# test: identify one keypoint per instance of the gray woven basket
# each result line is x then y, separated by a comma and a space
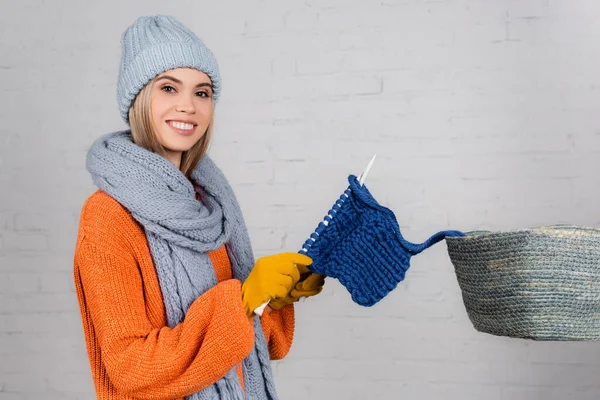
541, 283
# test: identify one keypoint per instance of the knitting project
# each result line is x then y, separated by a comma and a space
360, 244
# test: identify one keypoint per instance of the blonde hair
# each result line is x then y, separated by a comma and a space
144, 132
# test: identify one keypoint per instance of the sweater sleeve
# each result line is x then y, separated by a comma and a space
278, 326
159, 363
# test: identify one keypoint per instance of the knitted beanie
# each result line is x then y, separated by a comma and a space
360, 244
153, 45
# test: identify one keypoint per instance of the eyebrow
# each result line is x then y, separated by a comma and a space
169, 77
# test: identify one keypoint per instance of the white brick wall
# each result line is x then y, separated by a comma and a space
484, 115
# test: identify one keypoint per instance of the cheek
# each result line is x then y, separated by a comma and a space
159, 106
206, 110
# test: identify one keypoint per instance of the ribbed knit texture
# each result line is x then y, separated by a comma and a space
154, 44
181, 231
132, 352
360, 244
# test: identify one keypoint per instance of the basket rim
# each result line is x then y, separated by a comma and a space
534, 229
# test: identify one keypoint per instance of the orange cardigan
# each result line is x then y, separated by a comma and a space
133, 354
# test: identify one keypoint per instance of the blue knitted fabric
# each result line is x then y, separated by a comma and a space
360, 244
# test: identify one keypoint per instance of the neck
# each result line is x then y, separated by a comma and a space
174, 157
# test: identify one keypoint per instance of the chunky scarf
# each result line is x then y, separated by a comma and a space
181, 231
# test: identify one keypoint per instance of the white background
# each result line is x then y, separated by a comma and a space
483, 114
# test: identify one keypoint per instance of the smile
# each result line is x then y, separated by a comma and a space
182, 128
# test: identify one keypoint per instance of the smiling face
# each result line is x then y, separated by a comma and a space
181, 109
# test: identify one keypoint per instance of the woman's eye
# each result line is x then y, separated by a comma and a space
168, 89
202, 94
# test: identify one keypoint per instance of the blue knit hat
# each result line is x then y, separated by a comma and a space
153, 45
360, 244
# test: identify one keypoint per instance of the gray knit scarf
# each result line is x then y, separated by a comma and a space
180, 232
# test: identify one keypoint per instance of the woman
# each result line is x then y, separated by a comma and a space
164, 269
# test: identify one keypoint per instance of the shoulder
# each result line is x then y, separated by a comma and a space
101, 211
105, 223
100, 204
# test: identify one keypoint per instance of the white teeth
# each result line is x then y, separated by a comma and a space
181, 125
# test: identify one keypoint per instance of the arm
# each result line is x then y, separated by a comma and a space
279, 323
159, 363
278, 326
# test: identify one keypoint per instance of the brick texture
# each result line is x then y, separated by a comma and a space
483, 114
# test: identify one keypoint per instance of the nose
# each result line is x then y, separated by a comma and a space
186, 105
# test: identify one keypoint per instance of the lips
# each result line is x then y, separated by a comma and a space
184, 128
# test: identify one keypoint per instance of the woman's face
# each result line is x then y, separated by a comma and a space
182, 108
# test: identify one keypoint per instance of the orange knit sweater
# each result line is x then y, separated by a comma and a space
133, 354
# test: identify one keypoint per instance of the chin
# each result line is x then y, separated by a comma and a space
180, 143
179, 146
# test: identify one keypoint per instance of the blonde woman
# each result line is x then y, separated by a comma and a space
164, 269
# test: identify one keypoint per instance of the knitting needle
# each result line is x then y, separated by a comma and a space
361, 179
363, 176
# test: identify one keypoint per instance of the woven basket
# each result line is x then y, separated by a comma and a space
541, 283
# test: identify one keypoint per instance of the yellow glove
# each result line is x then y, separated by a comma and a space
310, 284
272, 277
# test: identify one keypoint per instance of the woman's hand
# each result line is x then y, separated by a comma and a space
310, 284
273, 277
